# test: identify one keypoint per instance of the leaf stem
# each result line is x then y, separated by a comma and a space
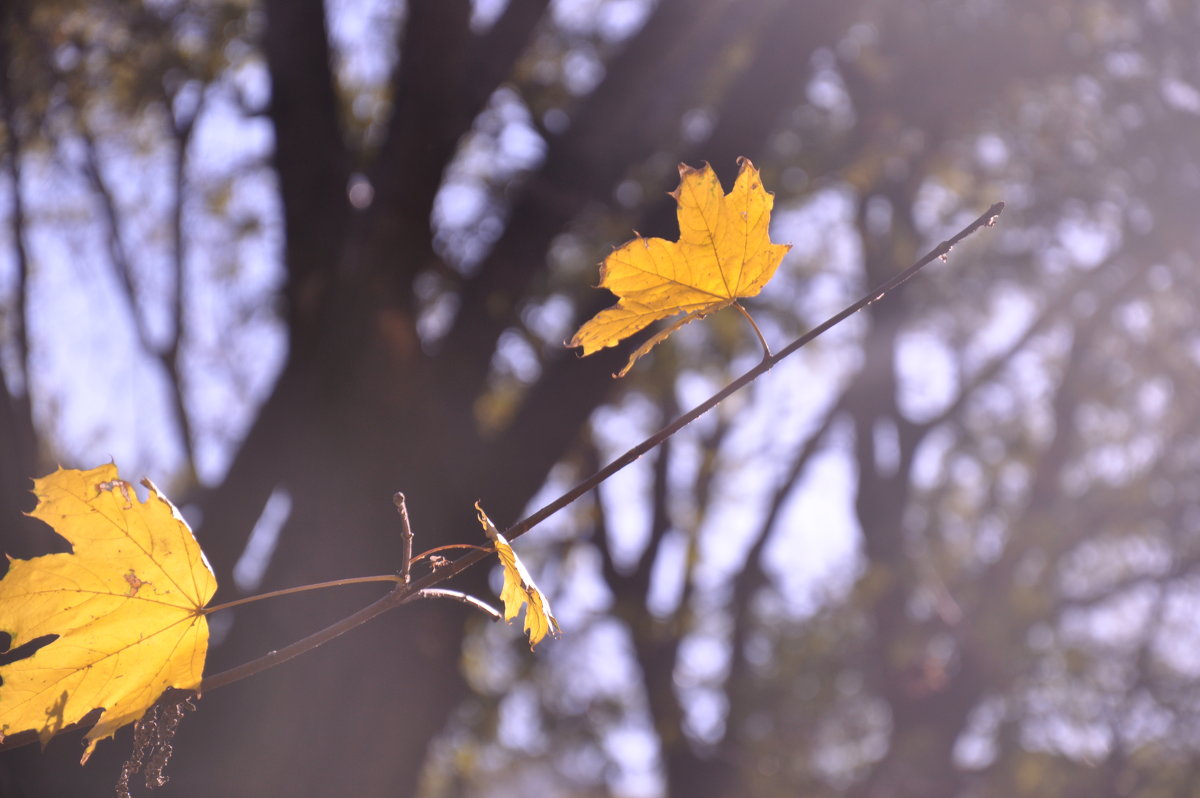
395, 597
761, 339
357, 580
465, 598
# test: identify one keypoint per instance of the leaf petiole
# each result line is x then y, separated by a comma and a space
462, 598
761, 338
357, 580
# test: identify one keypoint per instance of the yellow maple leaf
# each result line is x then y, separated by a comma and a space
126, 606
519, 588
724, 252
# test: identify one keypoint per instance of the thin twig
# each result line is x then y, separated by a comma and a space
403, 593
484, 549
287, 591
455, 595
393, 599
987, 219
406, 537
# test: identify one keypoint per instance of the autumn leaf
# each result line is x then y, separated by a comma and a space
519, 587
724, 253
126, 607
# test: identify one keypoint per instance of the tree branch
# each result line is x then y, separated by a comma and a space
495, 52
987, 219
16, 405
752, 575
405, 592
168, 355
17, 217
310, 159
182, 129
428, 117
660, 513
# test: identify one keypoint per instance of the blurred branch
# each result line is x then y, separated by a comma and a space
656, 641
443, 79
602, 537
312, 166
1045, 478
581, 165
17, 216
496, 52
632, 586
753, 576
992, 368
168, 355
311, 160
1052, 311
784, 36
1099, 516
1119, 765
182, 128
117, 251
660, 511
16, 406
428, 117
230, 509
1031, 523
702, 500
1186, 570
925, 700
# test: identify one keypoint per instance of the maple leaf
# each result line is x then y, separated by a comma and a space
519, 587
724, 253
126, 606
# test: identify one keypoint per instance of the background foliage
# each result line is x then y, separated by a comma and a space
288, 257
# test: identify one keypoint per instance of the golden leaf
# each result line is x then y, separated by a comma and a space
126, 607
519, 587
724, 252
